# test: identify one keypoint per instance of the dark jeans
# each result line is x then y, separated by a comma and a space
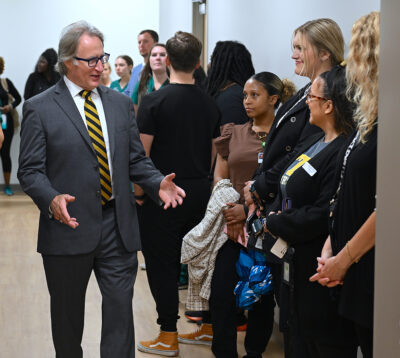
67, 279
162, 232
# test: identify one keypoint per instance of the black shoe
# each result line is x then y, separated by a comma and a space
194, 316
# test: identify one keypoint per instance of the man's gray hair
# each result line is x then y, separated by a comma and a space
69, 40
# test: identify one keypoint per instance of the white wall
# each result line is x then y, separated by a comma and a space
29, 27
175, 15
265, 27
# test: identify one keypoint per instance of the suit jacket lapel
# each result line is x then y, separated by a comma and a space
64, 100
107, 106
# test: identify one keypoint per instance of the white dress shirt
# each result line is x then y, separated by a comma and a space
80, 102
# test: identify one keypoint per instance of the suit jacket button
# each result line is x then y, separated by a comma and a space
288, 148
293, 119
98, 194
271, 195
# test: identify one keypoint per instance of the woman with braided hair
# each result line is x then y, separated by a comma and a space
231, 67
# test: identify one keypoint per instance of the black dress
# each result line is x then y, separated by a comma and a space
305, 228
356, 202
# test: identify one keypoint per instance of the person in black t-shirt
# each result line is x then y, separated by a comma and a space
230, 68
177, 125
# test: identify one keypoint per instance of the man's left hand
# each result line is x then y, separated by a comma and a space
171, 194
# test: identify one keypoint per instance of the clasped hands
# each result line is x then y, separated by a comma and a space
331, 270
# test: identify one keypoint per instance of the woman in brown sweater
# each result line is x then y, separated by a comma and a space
240, 149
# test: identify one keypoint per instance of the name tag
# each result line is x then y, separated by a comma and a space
309, 169
280, 248
260, 157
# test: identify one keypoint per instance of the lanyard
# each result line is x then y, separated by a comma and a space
306, 90
342, 171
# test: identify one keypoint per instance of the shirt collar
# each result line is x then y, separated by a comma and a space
74, 89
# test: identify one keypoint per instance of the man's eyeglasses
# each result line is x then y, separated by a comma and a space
92, 62
311, 96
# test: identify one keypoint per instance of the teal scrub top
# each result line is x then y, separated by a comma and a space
150, 88
115, 85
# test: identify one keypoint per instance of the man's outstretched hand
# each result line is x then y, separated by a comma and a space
59, 209
171, 194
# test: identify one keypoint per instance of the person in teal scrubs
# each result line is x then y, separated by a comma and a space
123, 68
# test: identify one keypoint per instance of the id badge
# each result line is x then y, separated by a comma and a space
288, 269
260, 157
286, 272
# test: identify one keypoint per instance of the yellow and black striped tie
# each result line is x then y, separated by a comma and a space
96, 135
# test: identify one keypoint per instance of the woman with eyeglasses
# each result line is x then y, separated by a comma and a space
123, 68
348, 254
299, 217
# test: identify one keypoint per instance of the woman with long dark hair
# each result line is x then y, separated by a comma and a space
348, 256
231, 66
154, 74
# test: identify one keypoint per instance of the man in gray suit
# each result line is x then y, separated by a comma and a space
80, 148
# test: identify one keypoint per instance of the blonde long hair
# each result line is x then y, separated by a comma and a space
324, 35
362, 72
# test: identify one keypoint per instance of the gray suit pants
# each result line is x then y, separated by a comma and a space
67, 279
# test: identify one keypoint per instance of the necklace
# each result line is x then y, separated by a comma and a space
262, 136
317, 147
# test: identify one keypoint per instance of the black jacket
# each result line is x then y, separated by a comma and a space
281, 141
305, 228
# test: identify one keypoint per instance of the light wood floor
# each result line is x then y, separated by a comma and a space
24, 300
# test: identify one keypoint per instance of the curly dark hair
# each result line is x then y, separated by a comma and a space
334, 88
230, 62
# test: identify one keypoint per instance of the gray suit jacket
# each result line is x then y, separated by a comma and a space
57, 157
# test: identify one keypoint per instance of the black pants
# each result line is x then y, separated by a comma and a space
5, 149
67, 279
259, 325
162, 232
365, 337
223, 302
